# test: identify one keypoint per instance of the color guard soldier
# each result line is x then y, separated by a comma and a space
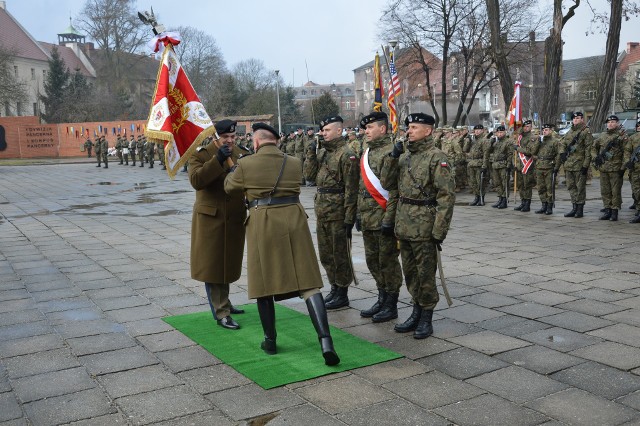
98, 145
500, 149
575, 154
547, 156
104, 149
525, 165
87, 146
132, 149
119, 149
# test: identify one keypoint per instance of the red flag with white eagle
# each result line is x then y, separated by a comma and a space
177, 117
514, 116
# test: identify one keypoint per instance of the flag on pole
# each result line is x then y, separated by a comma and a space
514, 116
177, 117
394, 90
379, 91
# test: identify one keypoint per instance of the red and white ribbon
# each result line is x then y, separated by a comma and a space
372, 183
162, 39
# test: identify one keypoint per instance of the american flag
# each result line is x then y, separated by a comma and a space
394, 90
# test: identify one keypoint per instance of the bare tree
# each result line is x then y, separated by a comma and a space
497, 48
12, 90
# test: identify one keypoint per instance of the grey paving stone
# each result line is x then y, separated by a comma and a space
20, 317
470, 313
530, 310
601, 295
213, 417
187, 358
213, 379
100, 343
9, 407
509, 289
576, 321
523, 327
28, 345
136, 313
540, 359
396, 411
138, 380
621, 333
489, 342
462, 363
246, 402
58, 305
592, 307
74, 315
631, 400
489, 410
129, 301
614, 354
560, 339
599, 379
490, 300
500, 322
165, 341
67, 408
60, 293
447, 328
406, 345
71, 330
373, 333
630, 316
108, 420
52, 384
577, 407
19, 331
110, 293
149, 326
545, 297
40, 362
391, 370
118, 360
10, 295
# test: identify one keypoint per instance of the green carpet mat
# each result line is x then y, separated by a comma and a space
299, 356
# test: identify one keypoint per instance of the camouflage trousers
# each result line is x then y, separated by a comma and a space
119, 154
611, 189
105, 159
577, 186
545, 188
462, 179
634, 178
99, 157
419, 263
499, 177
381, 253
332, 246
525, 183
474, 180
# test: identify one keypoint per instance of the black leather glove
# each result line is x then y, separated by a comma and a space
483, 171
358, 224
224, 152
563, 157
398, 149
438, 243
387, 230
347, 229
621, 172
584, 170
629, 165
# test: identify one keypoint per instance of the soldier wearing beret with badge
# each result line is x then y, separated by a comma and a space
377, 210
335, 171
281, 259
426, 196
217, 227
476, 148
547, 155
500, 149
525, 165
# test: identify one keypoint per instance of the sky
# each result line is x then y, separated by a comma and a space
327, 38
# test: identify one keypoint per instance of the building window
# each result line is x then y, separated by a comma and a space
454, 81
347, 105
590, 95
371, 85
347, 91
15, 70
495, 99
19, 109
313, 92
33, 73
364, 85
567, 93
304, 92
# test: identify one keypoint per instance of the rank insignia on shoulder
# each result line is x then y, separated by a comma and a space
200, 148
444, 164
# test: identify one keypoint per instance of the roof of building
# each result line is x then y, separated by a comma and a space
16, 38
69, 57
577, 69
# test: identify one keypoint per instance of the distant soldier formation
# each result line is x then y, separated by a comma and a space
125, 150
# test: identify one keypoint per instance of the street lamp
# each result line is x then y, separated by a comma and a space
278, 96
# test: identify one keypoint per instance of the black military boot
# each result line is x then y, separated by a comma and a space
267, 312
632, 206
527, 206
424, 328
579, 211
331, 294
412, 322
389, 309
549, 209
318, 315
497, 203
481, 202
340, 300
635, 219
503, 203
572, 213
475, 201
607, 214
134, 163
602, 210
151, 165
542, 209
614, 215
368, 313
521, 206
141, 164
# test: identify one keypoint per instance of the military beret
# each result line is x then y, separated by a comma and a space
225, 126
527, 122
420, 118
263, 126
501, 128
373, 117
478, 127
311, 128
577, 114
329, 120
611, 118
548, 126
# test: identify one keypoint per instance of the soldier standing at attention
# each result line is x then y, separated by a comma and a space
450, 146
575, 153
217, 227
161, 155
140, 150
461, 163
547, 155
88, 145
132, 149
119, 149
104, 149
150, 151
281, 259
608, 153
377, 209
500, 149
98, 145
426, 196
309, 138
335, 170
525, 167
632, 163
478, 164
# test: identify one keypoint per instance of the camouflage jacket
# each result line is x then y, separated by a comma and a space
500, 152
299, 147
119, 144
547, 153
452, 149
291, 147
424, 174
477, 150
527, 144
97, 146
372, 215
334, 168
633, 147
104, 146
578, 153
88, 144
610, 147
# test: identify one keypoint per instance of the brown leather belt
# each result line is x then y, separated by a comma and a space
274, 200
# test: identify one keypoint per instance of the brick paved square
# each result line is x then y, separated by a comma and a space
392, 412
490, 410
118, 360
462, 363
489, 342
40, 362
68, 408
560, 339
213, 379
138, 380
621, 333
52, 384
599, 379
540, 359
250, 401
613, 354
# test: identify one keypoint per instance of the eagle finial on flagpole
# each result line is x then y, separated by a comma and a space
149, 18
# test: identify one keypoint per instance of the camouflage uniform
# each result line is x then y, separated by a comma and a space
525, 181
451, 148
98, 146
500, 155
632, 163
161, 155
334, 169
291, 146
462, 178
119, 149
132, 149
477, 160
575, 153
88, 145
150, 152
609, 148
104, 149
140, 150
547, 155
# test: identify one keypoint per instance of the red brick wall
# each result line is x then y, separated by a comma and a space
26, 138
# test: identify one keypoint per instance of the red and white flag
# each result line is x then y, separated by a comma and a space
177, 117
514, 116
372, 182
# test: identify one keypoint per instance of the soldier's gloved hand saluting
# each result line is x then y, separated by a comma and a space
224, 152
398, 149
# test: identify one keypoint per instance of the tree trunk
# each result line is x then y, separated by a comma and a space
506, 83
605, 91
552, 67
